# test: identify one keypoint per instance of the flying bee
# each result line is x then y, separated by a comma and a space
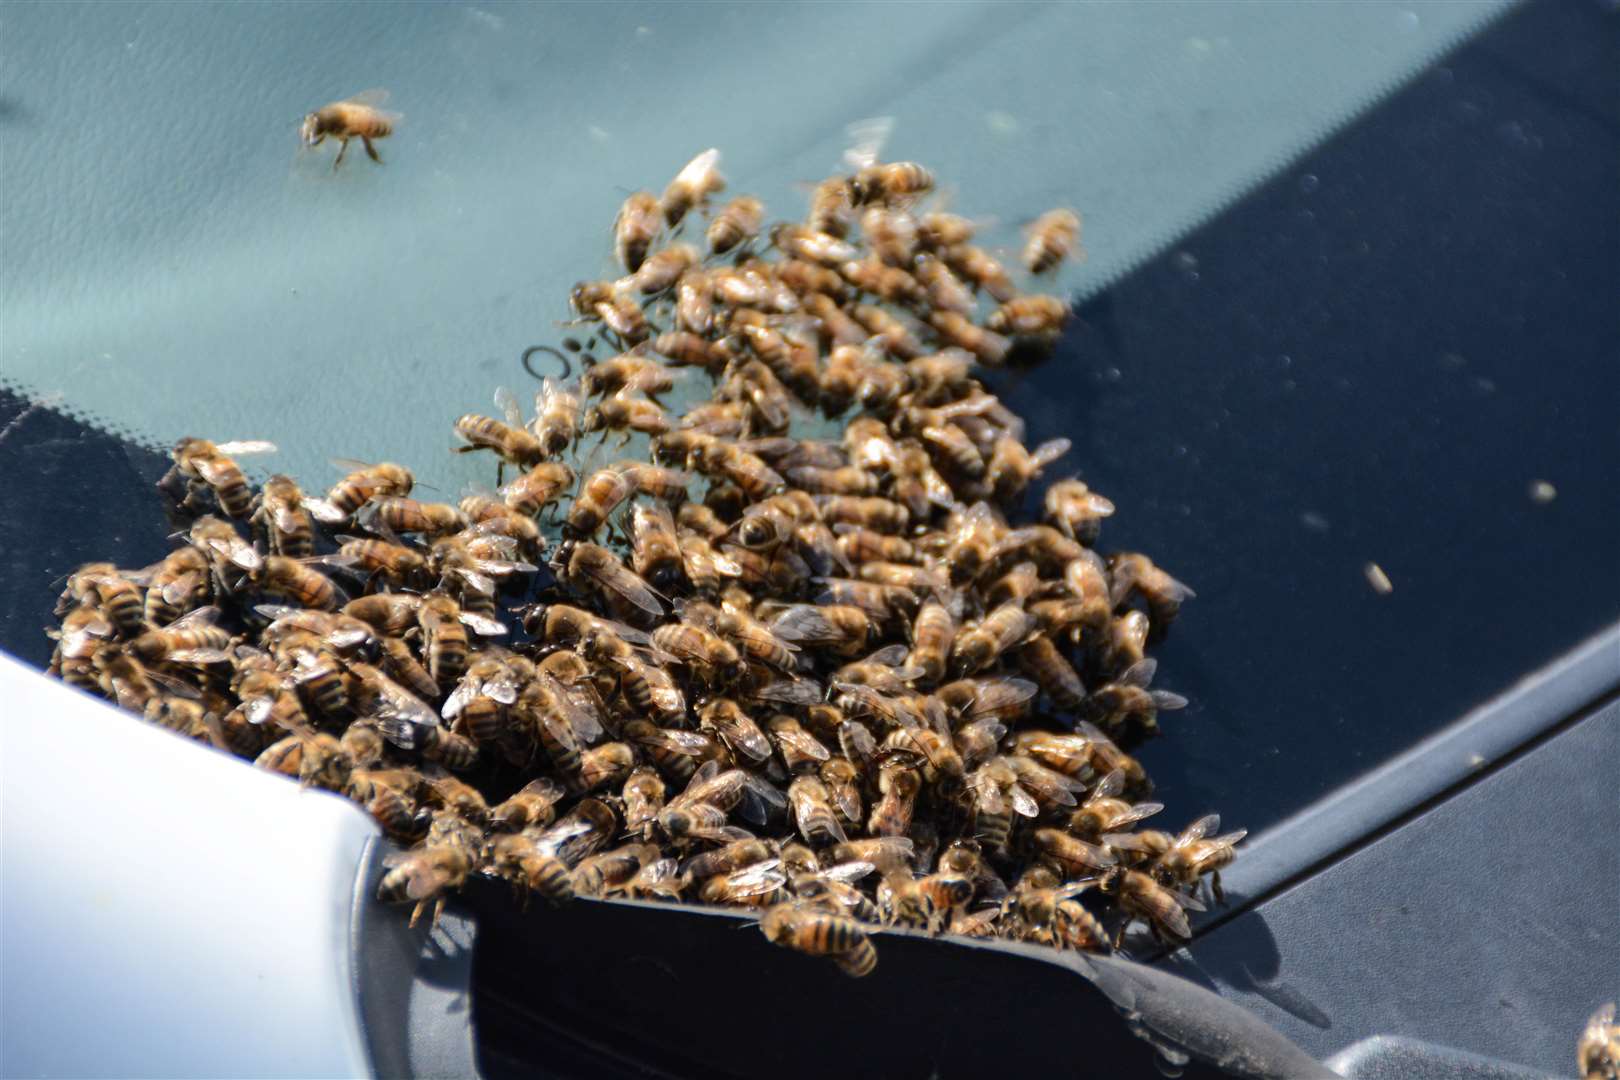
990, 347
804, 929
511, 441
692, 186
1140, 897
583, 564
202, 464
602, 493
1076, 510
362, 483
1052, 238
627, 412
358, 117
296, 581
279, 513
1136, 574
877, 182
634, 229
737, 223
105, 588
1034, 316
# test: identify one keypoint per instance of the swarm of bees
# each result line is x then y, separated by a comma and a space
841, 682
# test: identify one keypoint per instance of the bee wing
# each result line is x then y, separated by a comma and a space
790, 692
181, 587
483, 624
502, 688
1139, 812
545, 788
459, 699
174, 686
761, 877
369, 98
695, 172
1023, 802
804, 743
1225, 839
199, 656
1190, 903
846, 872
324, 512
890, 656
482, 583
1048, 452
1199, 829
507, 402
1168, 701
1140, 673
760, 798
1109, 786
246, 446
257, 710
611, 575
239, 553
1127, 842
996, 697
203, 616
866, 139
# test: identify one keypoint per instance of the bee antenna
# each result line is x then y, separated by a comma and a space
567, 365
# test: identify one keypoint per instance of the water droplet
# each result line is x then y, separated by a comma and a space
1185, 261
1112, 374
1542, 492
1309, 183
1378, 579
1314, 521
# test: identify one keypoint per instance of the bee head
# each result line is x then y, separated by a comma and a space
309, 130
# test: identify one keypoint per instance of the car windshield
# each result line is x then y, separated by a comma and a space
1342, 360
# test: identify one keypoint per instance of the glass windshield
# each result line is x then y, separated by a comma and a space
1296, 362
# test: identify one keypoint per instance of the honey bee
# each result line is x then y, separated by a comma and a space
812, 809
737, 222
694, 313
877, 182
536, 489
979, 644
583, 564
1196, 854
533, 806
663, 269
1128, 698
296, 581
1029, 316
841, 628
387, 515
487, 686
722, 460
315, 759
1136, 574
602, 493
831, 208
610, 871
701, 650
996, 795
837, 326
725, 720
82, 633
103, 587
626, 412
895, 334
981, 271
393, 564
882, 280
643, 798
511, 441
684, 348
1046, 664
627, 371
1053, 236
1076, 856
692, 186
279, 512
359, 117
1049, 914
556, 421
386, 613
524, 861
386, 794
191, 639
1076, 510
759, 885
991, 348
206, 465
1013, 466
812, 246
604, 766
804, 929
899, 781
362, 483
1104, 812
941, 289
1597, 1055
1142, 898
634, 229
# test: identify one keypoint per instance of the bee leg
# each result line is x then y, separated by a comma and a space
371, 151
343, 148
416, 912
1215, 888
